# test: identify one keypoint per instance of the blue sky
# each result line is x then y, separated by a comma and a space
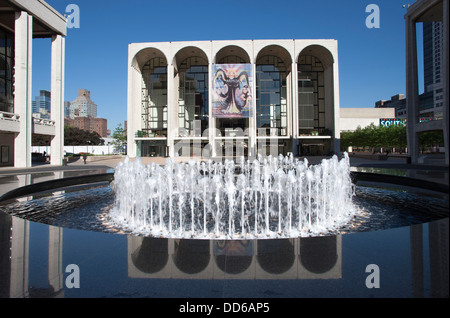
371, 61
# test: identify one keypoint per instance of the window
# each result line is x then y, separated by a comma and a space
193, 95
6, 71
311, 94
271, 96
154, 98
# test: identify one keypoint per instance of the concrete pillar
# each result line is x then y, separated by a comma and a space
211, 120
55, 268
336, 105
57, 98
445, 78
172, 109
294, 107
412, 89
20, 249
22, 87
19, 258
252, 122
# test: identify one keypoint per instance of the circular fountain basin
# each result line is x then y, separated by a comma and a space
267, 212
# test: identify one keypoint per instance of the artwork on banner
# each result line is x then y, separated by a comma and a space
231, 90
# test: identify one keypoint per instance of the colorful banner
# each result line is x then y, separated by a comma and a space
231, 90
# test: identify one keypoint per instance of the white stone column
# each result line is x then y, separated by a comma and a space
19, 258
294, 100
55, 268
134, 107
252, 122
211, 119
445, 78
412, 89
294, 107
172, 109
22, 87
57, 98
336, 103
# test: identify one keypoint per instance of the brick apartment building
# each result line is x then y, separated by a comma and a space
89, 123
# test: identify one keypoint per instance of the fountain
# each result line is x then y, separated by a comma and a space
268, 198
272, 197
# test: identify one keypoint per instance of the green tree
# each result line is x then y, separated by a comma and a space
120, 139
375, 137
433, 138
78, 137
41, 140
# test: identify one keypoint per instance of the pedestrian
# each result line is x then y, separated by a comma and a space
84, 157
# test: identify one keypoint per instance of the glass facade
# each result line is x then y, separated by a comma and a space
193, 96
152, 148
154, 98
6, 71
292, 98
311, 95
271, 96
41, 104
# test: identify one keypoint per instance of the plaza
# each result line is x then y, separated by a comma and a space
212, 100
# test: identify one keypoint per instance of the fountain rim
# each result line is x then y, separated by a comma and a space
104, 179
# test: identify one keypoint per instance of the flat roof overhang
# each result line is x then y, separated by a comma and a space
46, 20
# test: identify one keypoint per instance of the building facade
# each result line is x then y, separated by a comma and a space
99, 125
42, 104
432, 67
435, 71
82, 106
352, 118
398, 102
20, 22
233, 98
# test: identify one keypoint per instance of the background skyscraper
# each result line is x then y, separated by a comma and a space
83, 106
432, 63
42, 104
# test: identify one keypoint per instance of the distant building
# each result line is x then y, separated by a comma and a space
351, 118
41, 104
431, 101
398, 102
82, 113
66, 109
435, 18
91, 124
82, 106
432, 67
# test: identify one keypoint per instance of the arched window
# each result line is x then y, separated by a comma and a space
231, 59
154, 97
271, 95
311, 95
193, 94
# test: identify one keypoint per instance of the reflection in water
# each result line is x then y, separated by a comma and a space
233, 257
276, 257
5, 249
319, 254
191, 256
156, 258
151, 256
